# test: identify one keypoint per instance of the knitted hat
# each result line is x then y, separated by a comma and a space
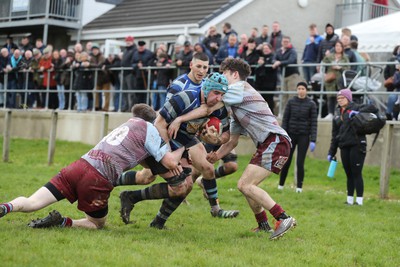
329, 25
346, 93
302, 84
95, 45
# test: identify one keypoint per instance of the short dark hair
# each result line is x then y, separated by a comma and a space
228, 25
235, 64
395, 50
200, 56
354, 45
144, 112
251, 40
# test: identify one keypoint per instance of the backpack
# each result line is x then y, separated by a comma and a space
368, 123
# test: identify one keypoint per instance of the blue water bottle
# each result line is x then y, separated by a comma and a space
332, 168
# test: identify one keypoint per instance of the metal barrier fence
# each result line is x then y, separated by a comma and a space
118, 92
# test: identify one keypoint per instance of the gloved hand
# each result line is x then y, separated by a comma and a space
312, 146
352, 113
329, 158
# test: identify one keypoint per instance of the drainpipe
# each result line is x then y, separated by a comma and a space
46, 22
79, 34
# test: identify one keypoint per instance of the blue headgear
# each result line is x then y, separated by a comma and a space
214, 81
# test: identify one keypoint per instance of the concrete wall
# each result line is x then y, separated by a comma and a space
90, 127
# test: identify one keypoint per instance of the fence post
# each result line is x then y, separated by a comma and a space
6, 136
104, 126
386, 159
52, 139
95, 96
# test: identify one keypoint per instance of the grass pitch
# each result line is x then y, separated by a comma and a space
329, 233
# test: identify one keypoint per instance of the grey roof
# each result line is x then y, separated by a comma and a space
139, 13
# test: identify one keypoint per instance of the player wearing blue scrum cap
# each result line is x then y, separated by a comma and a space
181, 102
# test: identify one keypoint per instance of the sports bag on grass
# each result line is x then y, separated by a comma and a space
368, 123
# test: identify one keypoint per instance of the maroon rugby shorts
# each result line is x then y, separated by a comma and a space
272, 154
81, 181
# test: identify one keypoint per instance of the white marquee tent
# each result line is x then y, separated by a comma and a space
377, 35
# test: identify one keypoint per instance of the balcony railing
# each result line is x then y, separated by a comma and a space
11, 10
352, 13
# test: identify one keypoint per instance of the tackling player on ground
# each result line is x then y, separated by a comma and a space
91, 179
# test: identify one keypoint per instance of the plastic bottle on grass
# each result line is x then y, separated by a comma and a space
332, 168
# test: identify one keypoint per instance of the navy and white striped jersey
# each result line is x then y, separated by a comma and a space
180, 84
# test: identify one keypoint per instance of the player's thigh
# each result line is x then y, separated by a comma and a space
198, 155
253, 175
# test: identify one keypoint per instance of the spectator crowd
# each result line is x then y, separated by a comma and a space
41, 76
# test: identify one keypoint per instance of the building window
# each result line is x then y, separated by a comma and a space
20, 5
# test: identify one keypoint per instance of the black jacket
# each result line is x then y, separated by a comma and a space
127, 58
266, 77
300, 117
286, 58
343, 135
83, 78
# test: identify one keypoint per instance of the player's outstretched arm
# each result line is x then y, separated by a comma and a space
197, 113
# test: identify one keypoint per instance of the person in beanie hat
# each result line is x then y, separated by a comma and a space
328, 43
300, 122
352, 145
346, 93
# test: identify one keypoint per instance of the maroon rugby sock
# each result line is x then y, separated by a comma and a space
276, 211
261, 217
7, 207
67, 222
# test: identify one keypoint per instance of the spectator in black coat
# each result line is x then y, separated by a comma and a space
114, 61
287, 55
141, 58
328, 43
4, 58
300, 122
353, 147
213, 40
266, 77
10, 45
163, 78
128, 81
25, 44
251, 56
184, 57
